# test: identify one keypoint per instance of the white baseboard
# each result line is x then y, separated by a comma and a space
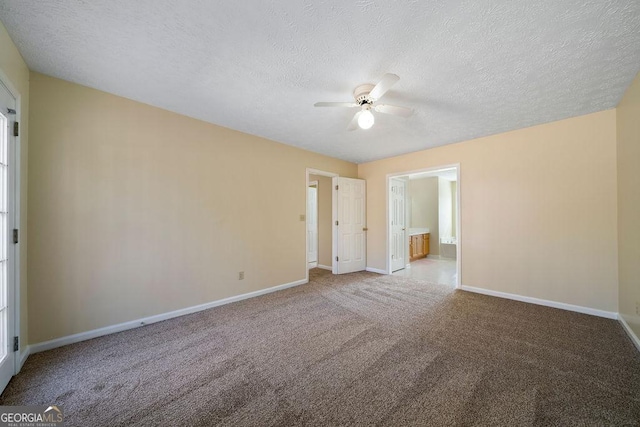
83, 336
26, 351
375, 270
313, 264
325, 267
547, 303
629, 331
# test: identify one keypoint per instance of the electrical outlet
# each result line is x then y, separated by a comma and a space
638, 308
241, 275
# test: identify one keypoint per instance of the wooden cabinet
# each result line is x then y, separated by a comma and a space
425, 244
418, 246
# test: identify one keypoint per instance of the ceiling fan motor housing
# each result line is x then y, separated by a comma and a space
361, 94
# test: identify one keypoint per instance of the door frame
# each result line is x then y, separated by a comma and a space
458, 207
13, 290
334, 216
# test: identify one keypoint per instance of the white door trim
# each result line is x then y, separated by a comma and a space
334, 214
458, 226
14, 292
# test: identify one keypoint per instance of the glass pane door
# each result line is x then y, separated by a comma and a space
7, 248
4, 235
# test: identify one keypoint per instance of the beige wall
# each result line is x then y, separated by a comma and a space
15, 69
424, 209
538, 209
324, 219
628, 120
138, 211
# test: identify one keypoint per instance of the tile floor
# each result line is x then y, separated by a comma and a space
434, 270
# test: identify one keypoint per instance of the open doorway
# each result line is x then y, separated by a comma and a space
423, 225
320, 219
312, 224
339, 209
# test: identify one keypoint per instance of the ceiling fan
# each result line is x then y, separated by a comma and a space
366, 97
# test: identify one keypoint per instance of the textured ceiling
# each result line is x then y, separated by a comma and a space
468, 68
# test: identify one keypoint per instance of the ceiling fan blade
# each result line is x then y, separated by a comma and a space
336, 104
383, 86
354, 122
392, 109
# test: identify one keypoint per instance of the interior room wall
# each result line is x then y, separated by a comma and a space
424, 208
324, 219
15, 69
538, 209
628, 127
138, 211
445, 207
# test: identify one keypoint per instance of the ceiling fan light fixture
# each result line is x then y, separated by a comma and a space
366, 97
366, 119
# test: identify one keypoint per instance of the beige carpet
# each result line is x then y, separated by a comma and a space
360, 349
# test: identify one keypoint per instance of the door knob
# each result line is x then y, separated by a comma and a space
365, 229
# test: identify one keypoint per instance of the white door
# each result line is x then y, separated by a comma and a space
398, 229
7, 248
312, 225
351, 225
